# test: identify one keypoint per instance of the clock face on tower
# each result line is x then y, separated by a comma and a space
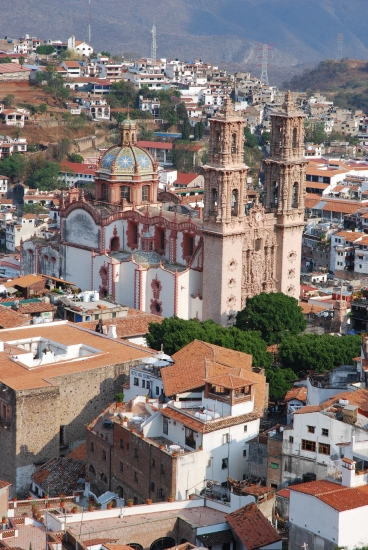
258, 216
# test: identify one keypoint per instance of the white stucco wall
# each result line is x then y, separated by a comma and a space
310, 513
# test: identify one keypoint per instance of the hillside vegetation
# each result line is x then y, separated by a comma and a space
344, 82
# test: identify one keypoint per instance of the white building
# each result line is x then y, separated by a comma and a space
343, 246
8, 146
4, 182
80, 47
149, 105
74, 173
21, 229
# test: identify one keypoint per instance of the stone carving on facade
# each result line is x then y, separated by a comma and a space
156, 287
291, 289
292, 256
232, 265
291, 273
256, 216
231, 283
231, 301
104, 286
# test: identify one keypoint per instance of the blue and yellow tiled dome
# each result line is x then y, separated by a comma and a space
125, 160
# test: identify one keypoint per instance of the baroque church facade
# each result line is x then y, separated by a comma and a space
129, 246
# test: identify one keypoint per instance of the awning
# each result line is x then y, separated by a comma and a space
57, 280
219, 537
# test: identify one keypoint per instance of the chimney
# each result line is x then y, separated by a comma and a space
87, 488
112, 332
348, 472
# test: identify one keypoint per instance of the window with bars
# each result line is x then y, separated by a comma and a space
308, 445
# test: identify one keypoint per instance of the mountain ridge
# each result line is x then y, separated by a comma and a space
217, 31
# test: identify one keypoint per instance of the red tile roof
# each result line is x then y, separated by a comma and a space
251, 526
297, 393
185, 179
135, 324
284, 493
77, 168
339, 497
155, 145
10, 318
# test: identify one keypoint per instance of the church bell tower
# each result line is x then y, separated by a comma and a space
285, 191
225, 185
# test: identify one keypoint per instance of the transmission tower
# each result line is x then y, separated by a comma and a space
265, 49
340, 41
153, 45
89, 22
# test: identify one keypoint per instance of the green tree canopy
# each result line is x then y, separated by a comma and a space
42, 174
185, 131
174, 333
317, 352
250, 139
8, 101
280, 381
275, 315
46, 49
122, 94
74, 157
14, 167
5, 60
105, 54
145, 133
314, 132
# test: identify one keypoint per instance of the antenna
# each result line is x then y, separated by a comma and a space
153, 45
340, 41
89, 22
265, 48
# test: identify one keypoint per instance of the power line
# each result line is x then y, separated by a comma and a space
89, 22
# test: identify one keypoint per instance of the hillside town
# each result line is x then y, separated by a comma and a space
183, 306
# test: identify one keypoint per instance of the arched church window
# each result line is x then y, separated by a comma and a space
295, 138
115, 244
235, 202
295, 195
105, 192
274, 194
217, 144
125, 192
233, 143
213, 203
145, 193
257, 245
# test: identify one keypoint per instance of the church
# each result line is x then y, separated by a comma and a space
132, 248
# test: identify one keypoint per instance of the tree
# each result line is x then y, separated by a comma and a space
266, 136
316, 352
275, 315
335, 136
105, 54
145, 134
196, 133
42, 108
8, 101
42, 173
175, 333
200, 129
182, 157
74, 157
315, 132
14, 167
185, 132
21, 60
182, 111
280, 381
46, 49
5, 60
122, 94
250, 139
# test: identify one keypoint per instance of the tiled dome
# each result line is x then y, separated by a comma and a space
126, 160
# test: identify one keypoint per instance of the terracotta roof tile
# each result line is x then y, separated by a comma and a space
212, 425
10, 318
35, 307
229, 381
60, 475
297, 393
25, 281
4, 484
339, 497
79, 453
251, 526
135, 324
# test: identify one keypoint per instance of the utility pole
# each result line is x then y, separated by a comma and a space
153, 45
340, 41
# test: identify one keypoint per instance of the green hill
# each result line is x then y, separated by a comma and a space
345, 82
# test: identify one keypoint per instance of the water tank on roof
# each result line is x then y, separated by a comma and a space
202, 416
212, 414
343, 402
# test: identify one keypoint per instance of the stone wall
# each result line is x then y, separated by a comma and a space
299, 537
258, 454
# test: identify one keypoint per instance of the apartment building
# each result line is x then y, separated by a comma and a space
343, 247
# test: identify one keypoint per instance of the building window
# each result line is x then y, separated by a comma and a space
136, 477
153, 463
225, 438
291, 439
165, 424
145, 193
121, 444
152, 487
103, 478
245, 428
92, 470
103, 455
274, 465
135, 453
125, 192
225, 463
121, 467
244, 453
324, 448
92, 447
308, 445
162, 469
136, 381
148, 385
143, 383
105, 192
325, 432
189, 438
157, 390
311, 429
